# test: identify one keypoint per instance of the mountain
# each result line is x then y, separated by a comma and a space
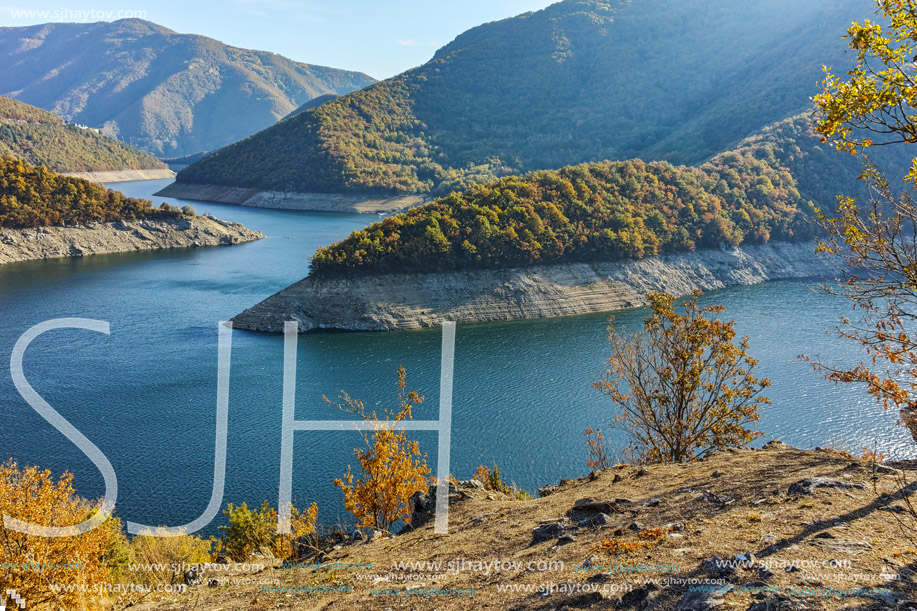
582, 80
41, 138
766, 189
170, 94
313, 104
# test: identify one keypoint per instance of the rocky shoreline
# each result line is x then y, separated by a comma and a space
291, 200
122, 236
414, 301
123, 175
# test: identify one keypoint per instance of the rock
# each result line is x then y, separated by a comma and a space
591, 505
776, 445
716, 474
358, 535
717, 567
810, 485
703, 601
792, 569
599, 578
546, 532
654, 502
624, 501
191, 578
843, 546
617, 478
566, 539
599, 519
635, 526
638, 596
674, 527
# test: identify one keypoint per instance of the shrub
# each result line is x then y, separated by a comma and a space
160, 560
251, 530
683, 387
189, 211
31, 564
392, 467
598, 449
492, 480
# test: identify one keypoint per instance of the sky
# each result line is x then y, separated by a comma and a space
379, 37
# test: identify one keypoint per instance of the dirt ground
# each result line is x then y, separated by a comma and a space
775, 528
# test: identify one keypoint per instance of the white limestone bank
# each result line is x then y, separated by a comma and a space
291, 200
122, 236
412, 301
123, 175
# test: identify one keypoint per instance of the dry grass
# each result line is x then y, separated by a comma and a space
678, 516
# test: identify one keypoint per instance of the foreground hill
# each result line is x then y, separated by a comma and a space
816, 531
582, 80
41, 138
170, 94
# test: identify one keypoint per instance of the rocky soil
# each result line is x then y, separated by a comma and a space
750, 530
102, 238
413, 301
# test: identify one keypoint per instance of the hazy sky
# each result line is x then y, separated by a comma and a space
379, 37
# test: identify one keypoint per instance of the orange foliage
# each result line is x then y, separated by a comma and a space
32, 565
392, 467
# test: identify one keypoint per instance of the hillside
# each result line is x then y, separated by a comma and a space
41, 138
580, 81
37, 197
774, 529
167, 93
766, 189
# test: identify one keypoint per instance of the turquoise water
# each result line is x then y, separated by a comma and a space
146, 394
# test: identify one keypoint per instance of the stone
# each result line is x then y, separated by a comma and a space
703, 601
546, 532
717, 567
638, 596
566, 539
635, 526
843, 546
716, 474
599, 519
810, 485
358, 535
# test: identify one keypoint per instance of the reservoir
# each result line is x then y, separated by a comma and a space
146, 394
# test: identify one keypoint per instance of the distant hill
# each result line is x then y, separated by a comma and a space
582, 80
313, 104
766, 189
41, 138
167, 93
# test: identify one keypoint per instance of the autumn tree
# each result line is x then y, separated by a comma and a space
873, 240
392, 467
250, 530
683, 387
31, 564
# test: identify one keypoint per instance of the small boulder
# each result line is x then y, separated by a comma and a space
546, 532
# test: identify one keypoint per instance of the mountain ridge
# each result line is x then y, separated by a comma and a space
579, 81
168, 93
